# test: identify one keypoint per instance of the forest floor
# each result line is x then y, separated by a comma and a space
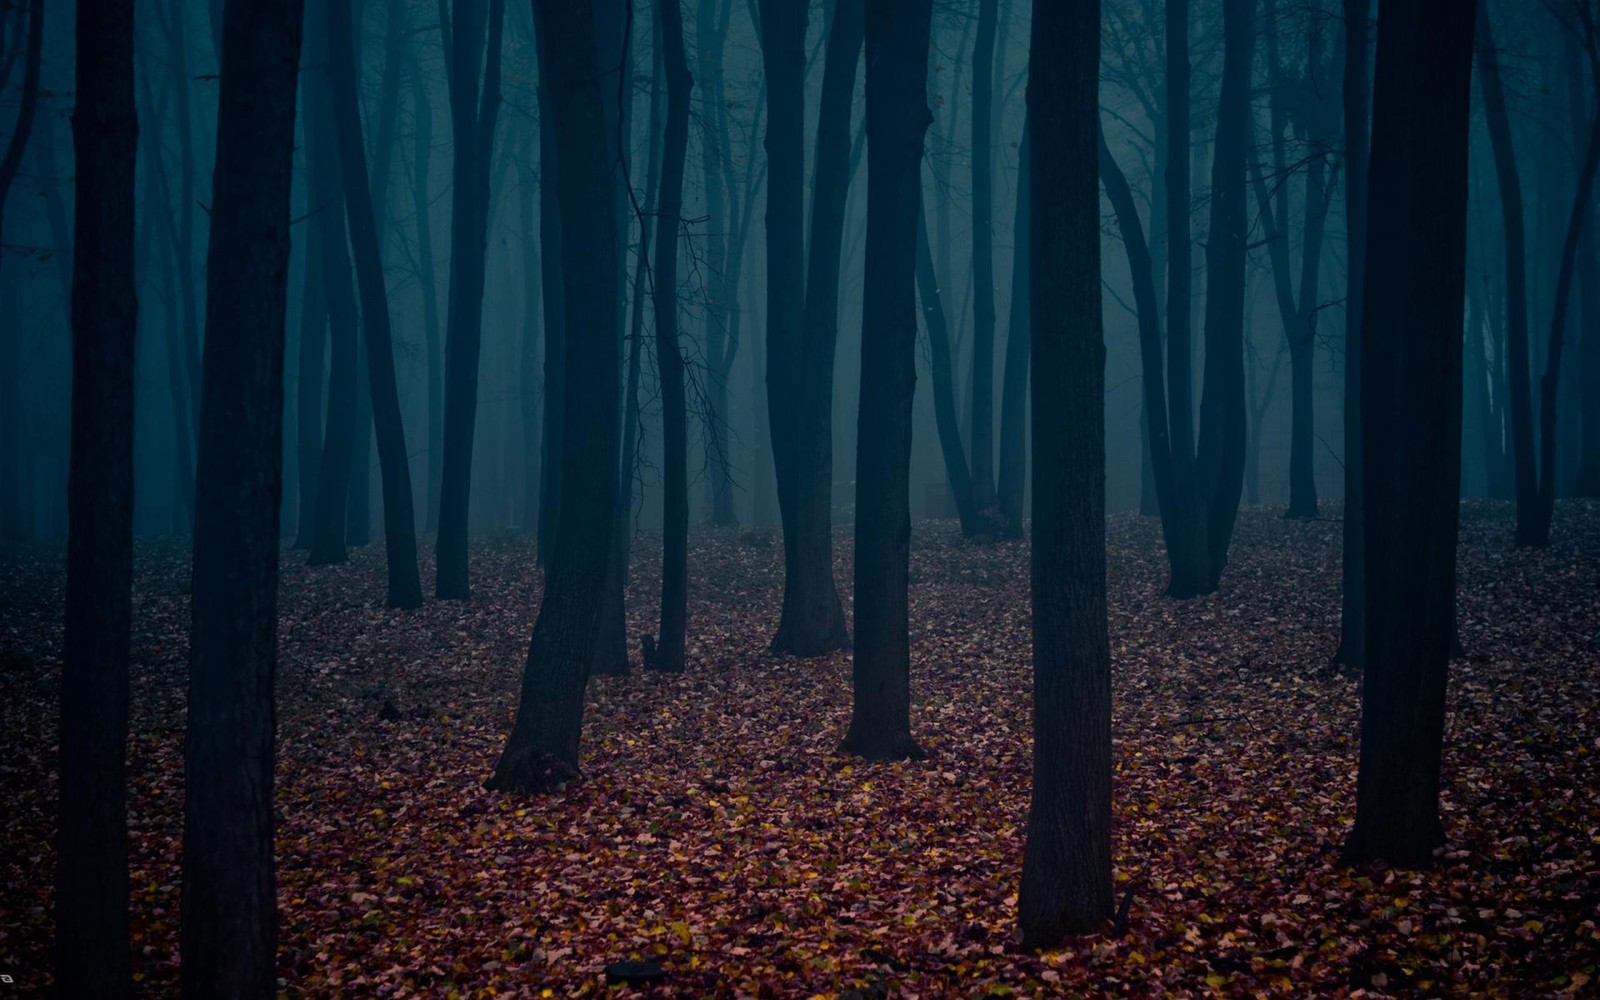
717, 831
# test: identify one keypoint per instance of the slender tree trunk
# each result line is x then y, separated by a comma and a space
399, 520
722, 339
421, 206
814, 617
1352, 621
1411, 420
1220, 458
897, 42
947, 421
555, 329
1066, 866
982, 414
528, 358
1588, 278
91, 910
1582, 209
178, 50
669, 358
12, 481
542, 750
229, 930
1511, 211
472, 116
1014, 392
313, 344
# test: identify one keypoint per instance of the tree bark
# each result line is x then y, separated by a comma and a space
982, 391
1014, 386
555, 328
814, 616
91, 913
542, 750
897, 42
1518, 372
229, 932
1352, 620
1066, 865
669, 358
313, 344
399, 518
1411, 420
12, 482
473, 110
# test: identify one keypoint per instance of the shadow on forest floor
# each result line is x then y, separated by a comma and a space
717, 832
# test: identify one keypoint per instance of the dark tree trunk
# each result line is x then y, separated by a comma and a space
12, 481
897, 42
722, 339
1219, 462
358, 501
399, 520
421, 202
177, 32
1411, 420
229, 908
473, 110
338, 439
1588, 278
91, 911
1582, 209
808, 625
313, 344
555, 323
1518, 373
528, 357
1014, 387
1066, 866
669, 358
947, 422
542, 750
1352, 622
982, 392
814, 616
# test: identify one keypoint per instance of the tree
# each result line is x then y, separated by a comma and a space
92, 958
399, 519
815, 599
1511, 217
982, 393
229, 929
542, 750
1014, 393
1352, 623
897, 41
473, 110
12, 516
668, 654
1066, 866
1411, 419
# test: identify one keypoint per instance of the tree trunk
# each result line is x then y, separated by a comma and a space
399, 520
542, 750
897, 42
1588, 278
813, 620
472, 117
313, 344
807, 626
669, 358
229, 931
1014, 387
1352, 621
947, 421
1219, 461
1411, 420
555, 323
982, 398
338, 441
12, 507
722, 339
1066, 866
91, 910
1511, 211
1578, 220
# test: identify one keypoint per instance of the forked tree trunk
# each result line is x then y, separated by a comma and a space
1411, 408
542, 750
399, 519
229, 928
897, 41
